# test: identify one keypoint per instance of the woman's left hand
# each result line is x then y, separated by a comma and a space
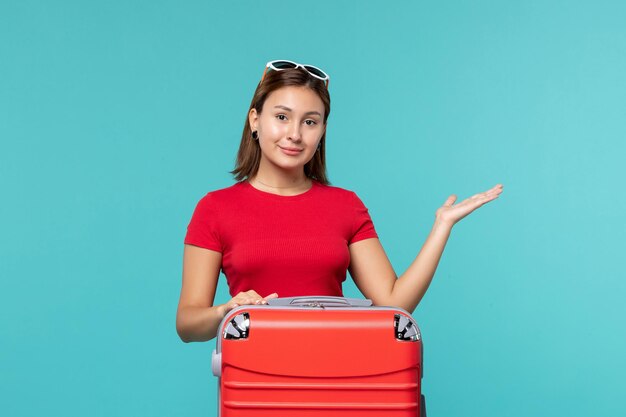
451, 213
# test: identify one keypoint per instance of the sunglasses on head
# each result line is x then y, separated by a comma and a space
282, 64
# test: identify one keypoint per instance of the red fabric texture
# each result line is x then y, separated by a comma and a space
294, 245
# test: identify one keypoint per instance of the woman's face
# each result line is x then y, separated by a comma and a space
289, 127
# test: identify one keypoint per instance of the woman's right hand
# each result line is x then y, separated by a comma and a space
244, 298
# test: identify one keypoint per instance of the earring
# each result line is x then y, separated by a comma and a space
319, 146
255, 136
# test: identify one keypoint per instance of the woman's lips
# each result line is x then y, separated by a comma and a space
290, 151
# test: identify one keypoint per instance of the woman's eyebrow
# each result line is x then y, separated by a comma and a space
288, 109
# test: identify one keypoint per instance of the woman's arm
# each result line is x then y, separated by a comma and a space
374, 276
197, 320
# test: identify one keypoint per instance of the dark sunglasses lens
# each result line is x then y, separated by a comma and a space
316, 71
283, 64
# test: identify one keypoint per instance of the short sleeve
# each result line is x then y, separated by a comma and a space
203, 228
363, 227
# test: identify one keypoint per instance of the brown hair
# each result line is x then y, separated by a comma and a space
249, 155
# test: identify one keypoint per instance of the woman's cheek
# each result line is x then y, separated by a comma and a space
276, 130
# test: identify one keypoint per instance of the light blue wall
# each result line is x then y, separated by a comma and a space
117, 116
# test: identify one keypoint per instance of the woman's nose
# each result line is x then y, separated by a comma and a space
294, 133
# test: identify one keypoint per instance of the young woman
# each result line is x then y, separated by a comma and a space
282, 230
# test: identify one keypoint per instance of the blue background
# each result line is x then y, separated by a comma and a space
117, 117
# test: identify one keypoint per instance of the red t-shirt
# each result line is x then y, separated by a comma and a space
291, 245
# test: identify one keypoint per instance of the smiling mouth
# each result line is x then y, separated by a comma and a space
290, 151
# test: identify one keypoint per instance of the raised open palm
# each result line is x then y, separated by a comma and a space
451, 213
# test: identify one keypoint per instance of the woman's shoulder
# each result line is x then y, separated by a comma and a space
222, 195
335, 192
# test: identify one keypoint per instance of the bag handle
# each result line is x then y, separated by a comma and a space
320, 301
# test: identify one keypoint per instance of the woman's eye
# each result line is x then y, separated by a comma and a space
309, 122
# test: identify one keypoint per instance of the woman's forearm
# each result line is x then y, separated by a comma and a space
409, 289
198, 324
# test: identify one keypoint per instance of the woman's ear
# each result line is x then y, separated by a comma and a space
252, 119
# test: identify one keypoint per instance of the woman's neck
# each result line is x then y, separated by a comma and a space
281, 183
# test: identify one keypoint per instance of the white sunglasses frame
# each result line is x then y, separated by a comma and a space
270, 64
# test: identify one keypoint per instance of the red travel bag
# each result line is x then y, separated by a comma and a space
319, 356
